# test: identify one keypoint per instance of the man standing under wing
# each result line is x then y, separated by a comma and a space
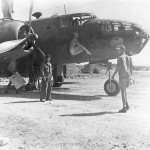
46, 73
125, 69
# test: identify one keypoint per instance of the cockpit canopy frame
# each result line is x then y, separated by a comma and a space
77, 19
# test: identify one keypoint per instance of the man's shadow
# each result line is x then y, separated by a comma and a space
89, 114
55, 96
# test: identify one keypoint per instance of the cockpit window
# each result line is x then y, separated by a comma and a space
128, 26
106, 26
75, 20
86, 18
117, 26
110, 26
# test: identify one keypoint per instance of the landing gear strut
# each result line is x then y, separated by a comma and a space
58, 75
111, 86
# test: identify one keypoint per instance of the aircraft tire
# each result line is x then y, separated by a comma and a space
112, 90
58, 84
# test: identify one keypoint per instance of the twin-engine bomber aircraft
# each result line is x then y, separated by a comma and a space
94, 40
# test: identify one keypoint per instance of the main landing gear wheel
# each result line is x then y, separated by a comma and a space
111, 87
58, 82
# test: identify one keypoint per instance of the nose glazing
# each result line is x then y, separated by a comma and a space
140, 32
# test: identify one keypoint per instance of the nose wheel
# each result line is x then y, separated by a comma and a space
111, 87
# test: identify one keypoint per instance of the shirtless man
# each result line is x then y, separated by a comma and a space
124, 69
76, 47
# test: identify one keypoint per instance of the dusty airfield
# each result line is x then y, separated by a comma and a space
80, 117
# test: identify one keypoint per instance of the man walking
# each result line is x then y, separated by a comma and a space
125, 70
46, 73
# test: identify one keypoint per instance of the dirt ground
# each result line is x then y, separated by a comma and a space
80, 117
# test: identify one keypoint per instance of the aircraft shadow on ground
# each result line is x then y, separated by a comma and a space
88, 114
54, 97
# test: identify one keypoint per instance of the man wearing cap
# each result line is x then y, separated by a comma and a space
46, 73
125, 70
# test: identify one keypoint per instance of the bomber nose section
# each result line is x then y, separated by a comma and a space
141, 37
140, 32
146, 34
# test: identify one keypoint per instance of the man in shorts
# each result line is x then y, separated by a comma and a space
124, 69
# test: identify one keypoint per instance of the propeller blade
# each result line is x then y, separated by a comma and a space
30, 14
6, 46
39, 52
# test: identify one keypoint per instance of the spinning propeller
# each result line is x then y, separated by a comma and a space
30, 14
33, 37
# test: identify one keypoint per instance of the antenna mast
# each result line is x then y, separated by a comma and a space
65, 8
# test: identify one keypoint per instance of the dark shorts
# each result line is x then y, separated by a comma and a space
124, 83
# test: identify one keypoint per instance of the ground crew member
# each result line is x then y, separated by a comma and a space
125, 70
46, 73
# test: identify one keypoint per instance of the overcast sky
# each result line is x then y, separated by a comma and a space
137, 11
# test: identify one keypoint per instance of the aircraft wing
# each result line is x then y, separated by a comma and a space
6, 46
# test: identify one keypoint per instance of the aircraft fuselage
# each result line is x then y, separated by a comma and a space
100, 37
